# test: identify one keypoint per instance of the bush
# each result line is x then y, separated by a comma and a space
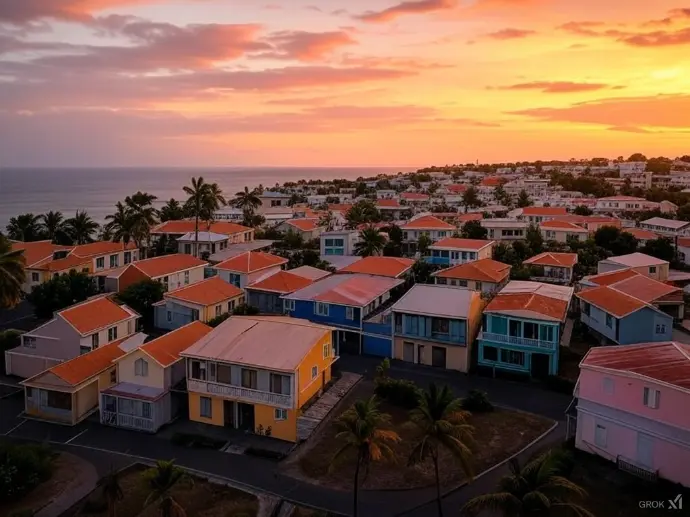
214, 322
23, 468
560, 384
477, 402
398, 392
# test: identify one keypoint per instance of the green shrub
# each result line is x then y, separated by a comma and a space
22, 468
214, 322
398, 392
560, 384
477, 402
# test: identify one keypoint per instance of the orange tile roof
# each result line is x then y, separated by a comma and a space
612, 277
544, 210
389, 203
641, 234
69, 262
462, 244
101, 248
250, 261
562, 225
484, 270
94, 314
167, 264
166, 349
428, 222
207, 292
491, 182
550, 307
37, 251
186, 226
391, 267
456, 188
282, 282
646, 289
476, 216
339, 207
84, 367
611, 301
553, 259
305, 225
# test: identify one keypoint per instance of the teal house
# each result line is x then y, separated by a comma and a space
522, 328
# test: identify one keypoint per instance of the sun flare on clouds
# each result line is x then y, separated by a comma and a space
340, 82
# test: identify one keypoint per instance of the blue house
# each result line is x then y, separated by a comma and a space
619, 318
353, 303
522, 328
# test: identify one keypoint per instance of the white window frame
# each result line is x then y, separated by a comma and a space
321, 309
280, 414
112, 334
650, 397
219, 310
326, 350
289, 305
314, 372
600, 435
349, 313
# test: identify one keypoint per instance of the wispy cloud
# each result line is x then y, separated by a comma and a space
407, 8
557, 87
506, 34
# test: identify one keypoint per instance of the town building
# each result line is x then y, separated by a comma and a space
249, 267
537, 214
552, 267
208, 242
505, 229
265, 294
308, 229
173, 230
433, 227
392, 209
338, 243
644, 264
452, 251
483, 275
173, 271
273, 200
562, 231
666, 227
392, 267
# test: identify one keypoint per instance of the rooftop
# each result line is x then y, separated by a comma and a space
437, 300
167, 264
312, 273
166, 349
532, 300
251, 261
553, 259
667, 223
101, 248
611, 277
612, 301
484, 270
646, 289
461, 244
353, 289
393, 267
562, 225
204, 237
283, 282
207, 292
544, 210
95, 314
642, 234
37, 251
188, 225
305, 225
428, 222
637, 260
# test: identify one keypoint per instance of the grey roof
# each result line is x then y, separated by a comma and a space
355, 290
204, 237
636, 260
436, 300
668, 223
236, 249
308, 272
340, 261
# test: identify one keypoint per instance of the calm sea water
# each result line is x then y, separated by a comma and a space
97, 190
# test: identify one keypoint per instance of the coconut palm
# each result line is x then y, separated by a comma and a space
161, 480
197, 193
81, 227
112, 491
171, 211
213, 200
371, 242
247, 199
53, 227
361, 428
540, 488
327, 220
120, 224
442, 425
143, 216
12, 274
24, 227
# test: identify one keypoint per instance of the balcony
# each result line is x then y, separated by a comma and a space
516, 340
631, 467
241, 394
127, 421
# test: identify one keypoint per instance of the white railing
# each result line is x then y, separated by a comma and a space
240, 393
516, 340
129, 421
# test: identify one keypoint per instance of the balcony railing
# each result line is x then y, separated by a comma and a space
240, 393
631, 467
128, 421
516, 340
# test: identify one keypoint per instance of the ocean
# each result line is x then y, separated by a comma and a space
97, 190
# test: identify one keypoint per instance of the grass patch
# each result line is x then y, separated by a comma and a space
498, 434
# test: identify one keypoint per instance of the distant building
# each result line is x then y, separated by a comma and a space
452, 251
483, 275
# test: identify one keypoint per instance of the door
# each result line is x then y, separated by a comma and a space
408, 352
540, 365
245, 417
420, 355
645, 450
228, 413
438, 356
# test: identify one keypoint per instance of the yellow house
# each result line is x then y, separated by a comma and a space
68, 392
255, 373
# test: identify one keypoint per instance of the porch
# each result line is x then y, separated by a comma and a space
140, 408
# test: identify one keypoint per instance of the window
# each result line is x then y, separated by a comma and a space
186, 277
513, 357
515, 328
440, 326
586, 308
609, 321
600, 436
289, 305
314, 372
652, 270
195, 314
141, 368
280, 414
231, 306
198, 370
100, 262
35, 277
112, 334
223, 374
55, 399
608, 385
329, 242
188, 249
326, 350
462, 283
113, 376
169, 316
546, 333
219, 309
478, 286
490, 353
349, 313
166, 282
280, 384
114, 261
205, 407
441, 281
650, 398
84, 350
128, 257
249, 379
29, 342
661, 328
94, 340
321, 309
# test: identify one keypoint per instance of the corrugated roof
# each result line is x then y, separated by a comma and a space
283, 282
428, 222
94, 314
380, 266
484, 270
437, 300
646, 289
167, 264
353, 289
250, 261
462, 244
167, 348
207, 292
553, 259
609, 300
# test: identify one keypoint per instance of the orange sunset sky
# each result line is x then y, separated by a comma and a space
340, 82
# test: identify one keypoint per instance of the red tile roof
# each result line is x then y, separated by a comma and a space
35, 252
646, 289
166, 349
462, 244
250, 261
553, 259
456, 188
491, 181
339, 207
282, 282
167, 264
305, 225
389, 203
101, 248
612, 277
186, 226
86, 366
207, 292
69, 262
484, 270
476, 216
94, 314
428, 222
547, 306
544, 210
643, 235
391, 267
562, 225
609, 300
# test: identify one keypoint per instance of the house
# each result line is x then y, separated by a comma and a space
265, 294
483, 275
436, 325
683, 249
392, 209
345, 302
505, 229
666, 227
338, 243
522, 328
415, 198
428, 225
209, 243
393, 267
35, 254
590, 222
308, 229
552, 267
562, 231
644, 264
624, 204
452, 251
621, 415
141, 396
67, 393
270, 199
246, 268
537, 214
175, 229
257, 373
201, 301
73, 331
642, 235
172, 271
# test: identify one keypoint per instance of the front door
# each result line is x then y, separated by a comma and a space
408, 352
645, 450
540, 365
438, 356
245, 417
228, 413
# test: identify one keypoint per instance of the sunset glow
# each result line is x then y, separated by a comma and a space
340, 82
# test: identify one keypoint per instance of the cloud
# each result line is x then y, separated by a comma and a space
657, 38
630, 129
23, 11
557, 86
505, 34
306, 46
669, 111
406, 8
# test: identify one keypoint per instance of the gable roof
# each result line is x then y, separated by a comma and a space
414, 196
637, 260
392, 267
69, 262
207, 292
167, 264
94, 314
186, 225
609, 300
309, 272
462, 244
532, 300
166, 349
553, 259
101, 248
37, 251
562, 225
353, 289
428, 222
611, 277
250, 261
304, 225
483, 270
389, 203
437, 300
668, 223
282, 282
641, 234
644, 288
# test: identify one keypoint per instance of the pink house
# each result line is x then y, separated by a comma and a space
632, 408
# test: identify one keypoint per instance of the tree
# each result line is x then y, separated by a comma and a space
247, 199
24, 227
605, 235
423, 243
53, 227
143, 216
616, 241
171, 211
534, 239
161, 480
637, 157
60, 292
501, 196
120, 224
661, 248
81, 227
582, 210
371, 242
540, 488
361, 429
524, 200
140, 296
12, 274
442, 424
204, 198
112, 491
362, 212
683, 213
327, 221
421, 271
470, 198
252, 220
473, 230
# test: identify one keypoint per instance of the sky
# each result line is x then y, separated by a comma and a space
87, 83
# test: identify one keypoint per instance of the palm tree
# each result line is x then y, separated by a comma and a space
247, 199
204, 199
371, 242
12, 274
171, 211
327, 220
24, 227
161, 480
143, 216
213, 200
53, 226
81, 227
540, 488
361, 428
120, 224
442, 424
112, 491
